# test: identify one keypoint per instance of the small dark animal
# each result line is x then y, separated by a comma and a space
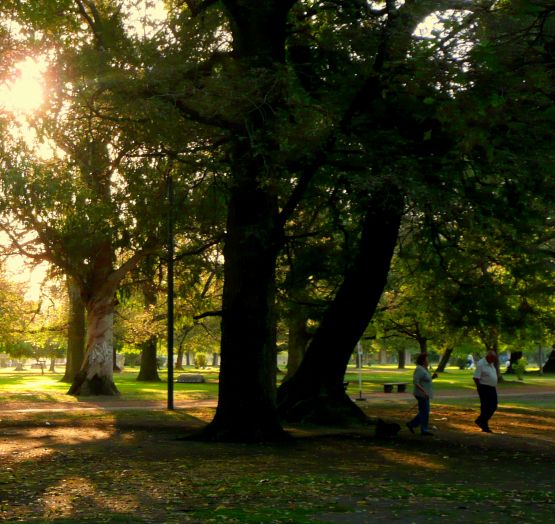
386, 429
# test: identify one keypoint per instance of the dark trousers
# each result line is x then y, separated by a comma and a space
423, 414
488, 403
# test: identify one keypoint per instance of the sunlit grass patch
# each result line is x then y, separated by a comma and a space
33, 387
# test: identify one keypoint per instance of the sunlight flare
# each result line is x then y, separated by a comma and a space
23, 93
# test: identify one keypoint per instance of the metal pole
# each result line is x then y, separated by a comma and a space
170, 255
359, 358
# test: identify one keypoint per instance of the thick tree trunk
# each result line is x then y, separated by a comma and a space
117, 369
401, 358
148, 371
179, 358
52, 367
316, 392
446, 355
246, 408
96, 376
297, 342
76, 332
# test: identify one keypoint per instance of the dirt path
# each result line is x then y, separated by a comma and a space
104, 404
111, 404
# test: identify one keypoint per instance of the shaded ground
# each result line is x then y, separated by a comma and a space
127, 465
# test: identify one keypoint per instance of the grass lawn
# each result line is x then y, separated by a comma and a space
129, 466
453, 379
31, 386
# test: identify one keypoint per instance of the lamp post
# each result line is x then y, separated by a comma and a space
170, 256
359, 359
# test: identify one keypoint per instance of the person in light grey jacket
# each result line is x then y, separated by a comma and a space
423, 392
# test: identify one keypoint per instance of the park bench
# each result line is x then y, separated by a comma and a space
401, 387
191, 378
40, 364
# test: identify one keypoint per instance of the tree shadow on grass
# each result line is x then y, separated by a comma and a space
130, 467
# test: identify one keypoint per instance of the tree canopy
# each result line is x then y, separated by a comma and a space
292, 127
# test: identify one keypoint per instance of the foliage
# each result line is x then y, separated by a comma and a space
200, 360
281, 139
520, 367
20, 350
15, 312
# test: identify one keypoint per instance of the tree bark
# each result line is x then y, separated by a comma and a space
246, 407
148, 371
96, 376
401, 358
444, 360
76, 332
246, 404
298, 339
179, 358
316, 392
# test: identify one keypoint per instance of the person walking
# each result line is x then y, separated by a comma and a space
422, 381
485, 378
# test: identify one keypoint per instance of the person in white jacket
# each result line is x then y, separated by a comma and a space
485, 378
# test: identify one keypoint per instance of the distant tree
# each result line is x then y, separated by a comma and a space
20, 350
15, 312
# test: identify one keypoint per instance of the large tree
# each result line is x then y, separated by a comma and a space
274, 96
75, 209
